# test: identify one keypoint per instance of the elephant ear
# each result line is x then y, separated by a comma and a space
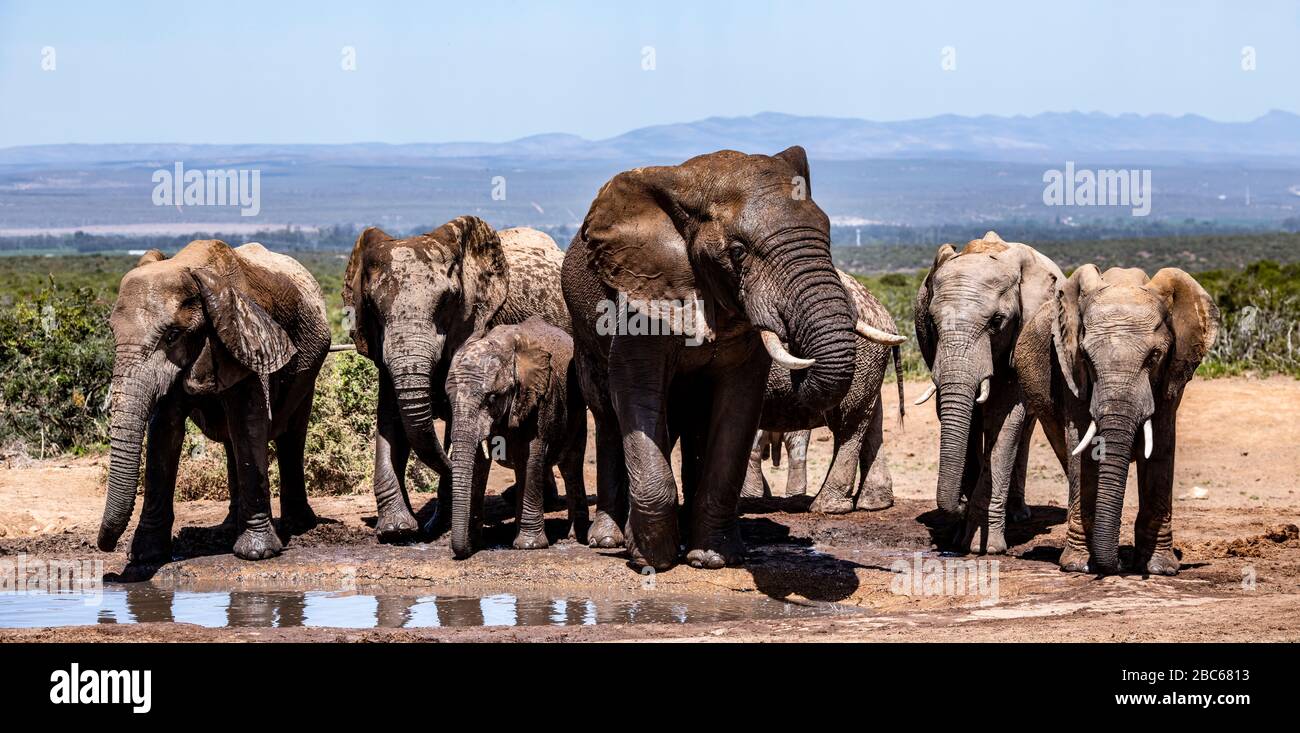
1194, 319
532, 375
353, 286
636, 245
1067, 325
797, 157
247, 339
1039, 280
927, 337
480, 264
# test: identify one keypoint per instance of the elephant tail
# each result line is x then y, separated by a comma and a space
898, 377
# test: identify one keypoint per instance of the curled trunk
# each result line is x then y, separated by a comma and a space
413, 386
817, 312
133, 402
1117, 434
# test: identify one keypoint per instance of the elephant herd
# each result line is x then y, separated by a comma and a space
506, 339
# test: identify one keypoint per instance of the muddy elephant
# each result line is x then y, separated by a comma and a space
727, 258
232, 339
855, 421
969, 311
1104, 366
414, 303
513, 391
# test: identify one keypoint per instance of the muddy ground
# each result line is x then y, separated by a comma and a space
1235, 506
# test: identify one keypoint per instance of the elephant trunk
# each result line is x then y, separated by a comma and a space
413, 385
820, 326
956, 405
133, 400
464, 457
1117, 432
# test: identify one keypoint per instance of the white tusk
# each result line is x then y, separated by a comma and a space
929, 392
1147, 439
484, 446
871, 333
984, 392
451, 450
1087, 438
780, 355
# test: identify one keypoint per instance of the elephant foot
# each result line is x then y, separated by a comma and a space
298, 520
579, 530
874, 501
150, 547
258, 544
718, 551
655, 547
604, 532
395, 522
1163, 563
1019, 512
831, 501
1074, 561
532, 540
797, 490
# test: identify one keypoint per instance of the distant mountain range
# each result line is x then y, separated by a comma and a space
1044, 137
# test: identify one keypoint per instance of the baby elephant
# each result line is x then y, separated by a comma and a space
515, 399
1103, 366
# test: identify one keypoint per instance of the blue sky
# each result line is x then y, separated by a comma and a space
270, 71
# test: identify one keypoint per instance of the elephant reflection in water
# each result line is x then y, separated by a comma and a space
266, 610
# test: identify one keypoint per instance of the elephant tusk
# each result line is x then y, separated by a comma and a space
782, 357
1147, 439
1087, 438
983, 396
484, 446
929, 392
450, 451
871, 333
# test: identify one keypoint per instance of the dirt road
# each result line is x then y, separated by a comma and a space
1235, 506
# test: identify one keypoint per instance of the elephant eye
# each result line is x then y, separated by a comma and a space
736, 251
171, 334
996, 321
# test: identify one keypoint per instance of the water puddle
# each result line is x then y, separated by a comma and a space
278, 609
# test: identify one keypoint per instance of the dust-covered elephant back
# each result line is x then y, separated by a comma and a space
534, 280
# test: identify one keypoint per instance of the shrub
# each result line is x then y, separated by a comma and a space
56, 364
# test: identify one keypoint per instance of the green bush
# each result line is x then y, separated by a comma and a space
56, 364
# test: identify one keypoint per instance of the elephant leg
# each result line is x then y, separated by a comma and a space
232, 480
796, 474
153, 536
249, 429
715, 530
835, 496
986, 516
530, 515
296, 515
1153, 533
875, 485
394, 519
575, 489
755, 482
1075, 555
641, 368
611, 484
1017, 509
